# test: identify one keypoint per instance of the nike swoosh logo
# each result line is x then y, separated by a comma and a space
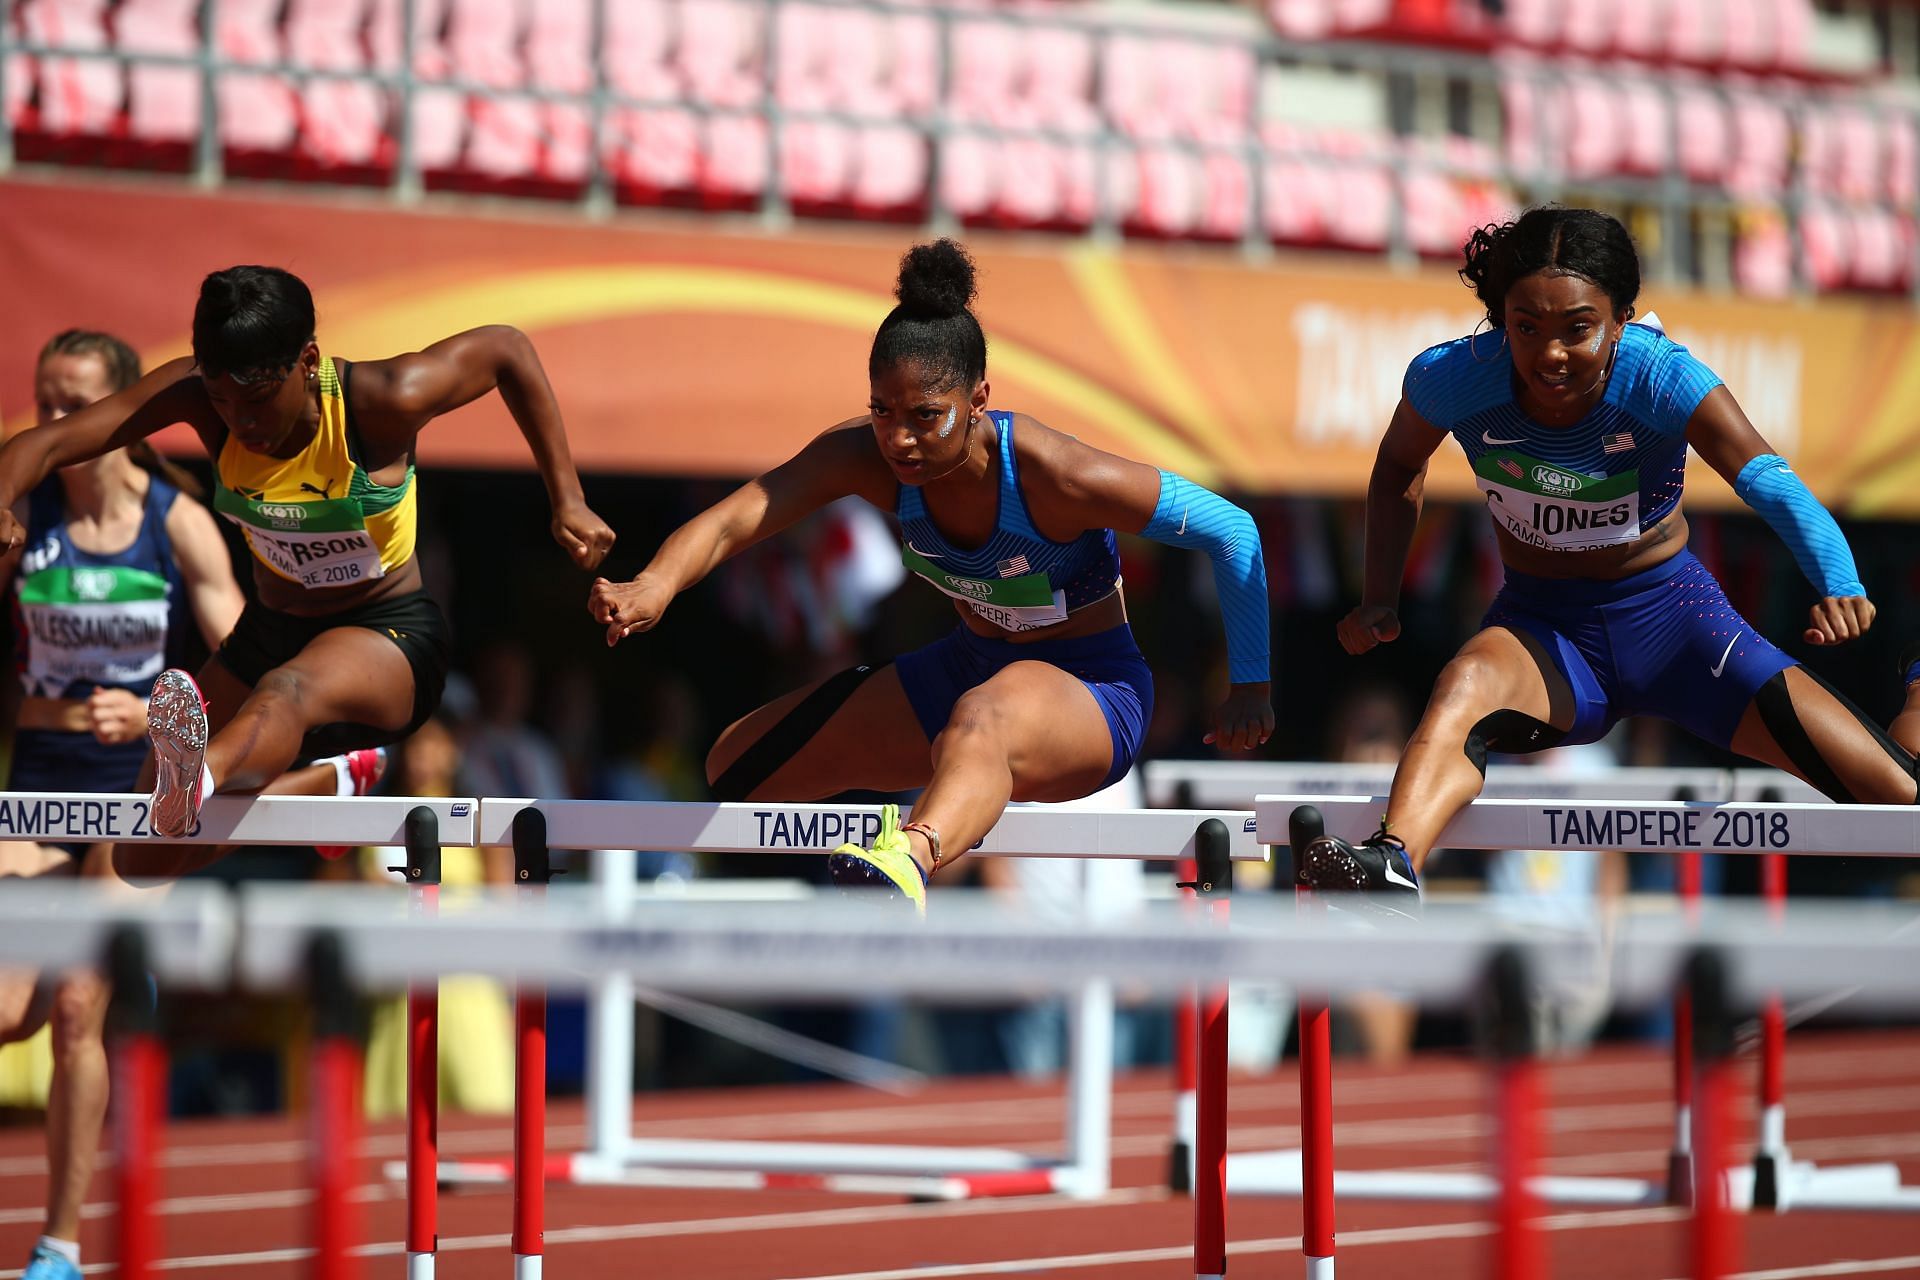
1721, 665
1183, 523
1394, 877
931, 555
1488, 437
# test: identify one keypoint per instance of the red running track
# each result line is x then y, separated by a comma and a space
233, 1192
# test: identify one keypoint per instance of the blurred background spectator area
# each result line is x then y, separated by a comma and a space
1763, 145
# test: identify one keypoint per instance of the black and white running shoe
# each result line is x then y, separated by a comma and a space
1377, 870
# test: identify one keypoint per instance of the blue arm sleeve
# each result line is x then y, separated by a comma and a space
1200, 520
1768, 485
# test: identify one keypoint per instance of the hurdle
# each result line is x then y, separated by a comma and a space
1235, 783
1649, 826
616, 1156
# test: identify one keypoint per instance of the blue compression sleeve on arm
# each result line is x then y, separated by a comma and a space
1768, 485
1200, 520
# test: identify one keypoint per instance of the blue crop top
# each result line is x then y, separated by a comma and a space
1020, 580
1597, 483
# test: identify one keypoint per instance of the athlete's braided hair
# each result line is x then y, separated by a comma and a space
933, 325
251, 321
1580, 242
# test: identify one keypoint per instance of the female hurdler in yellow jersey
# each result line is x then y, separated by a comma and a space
313, 460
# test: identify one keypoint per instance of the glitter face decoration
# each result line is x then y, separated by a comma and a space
945, 429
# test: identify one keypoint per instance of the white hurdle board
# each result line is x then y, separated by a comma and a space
1024, 831
62, 923
68, 817
1876, 830
1234, 783
615, 1154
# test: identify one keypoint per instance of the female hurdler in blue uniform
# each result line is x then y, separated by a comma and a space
1040, 692
1577, 424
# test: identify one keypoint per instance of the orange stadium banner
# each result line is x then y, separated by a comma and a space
711, 349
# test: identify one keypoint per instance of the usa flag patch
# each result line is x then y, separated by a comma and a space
1619, 442
1015, 567
1512, 468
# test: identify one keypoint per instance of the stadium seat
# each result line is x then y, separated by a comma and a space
658, 149
1762, 142
1303, 19
483, 43
1825, 242
1705, 136
258, 113
1226, 194
342, 122
719, 50
1697, 29
439, 115
1763, 254
1903, 152
1640, 28
77, 96
1534, 22
891, 172
559, 56
1646, 141
817, 160
163, 103
1594, 126
735, 163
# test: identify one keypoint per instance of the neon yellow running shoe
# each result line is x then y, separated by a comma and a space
887, 865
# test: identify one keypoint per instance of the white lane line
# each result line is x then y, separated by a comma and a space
798, 1220
1850, 1267
1278, 1244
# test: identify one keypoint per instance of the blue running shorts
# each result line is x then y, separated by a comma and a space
1664, 642
1107, 662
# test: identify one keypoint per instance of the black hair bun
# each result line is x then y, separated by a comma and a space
936, 280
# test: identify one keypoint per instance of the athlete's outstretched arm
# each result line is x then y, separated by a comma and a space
167, 395
1395, 493
835, 464
1099, 490
1720, 433
397, 397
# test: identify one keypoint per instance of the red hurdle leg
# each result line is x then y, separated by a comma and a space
1213, 883
1316, 1090
423, 1059
1519, 1246
139, 1073
1770, 1158
532, 870
1186, 1031
335, 1112
1715, 1244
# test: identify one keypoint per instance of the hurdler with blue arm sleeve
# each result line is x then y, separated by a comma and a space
1768, 485
1201, 520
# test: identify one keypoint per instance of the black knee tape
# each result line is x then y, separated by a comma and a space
790, 733
1512, 733
1783, 722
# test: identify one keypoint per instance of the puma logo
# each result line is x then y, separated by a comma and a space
323, 494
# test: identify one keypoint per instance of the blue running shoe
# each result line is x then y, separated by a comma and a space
1377, 871
45, 1264
888, 864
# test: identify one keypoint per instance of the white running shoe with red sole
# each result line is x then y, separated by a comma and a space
177, 730
365, 768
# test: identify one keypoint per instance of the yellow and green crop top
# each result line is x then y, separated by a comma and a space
317, 519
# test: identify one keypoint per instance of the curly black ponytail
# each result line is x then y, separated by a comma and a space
933, 324
1581, 242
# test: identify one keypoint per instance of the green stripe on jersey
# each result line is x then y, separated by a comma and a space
1530, 475
333, 515
92, 584
1027, 591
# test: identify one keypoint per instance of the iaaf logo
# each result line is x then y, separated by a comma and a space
1555, 479
978, 590
459, 809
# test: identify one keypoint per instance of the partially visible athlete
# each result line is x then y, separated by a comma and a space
314, 460
1577, 422
1039, 692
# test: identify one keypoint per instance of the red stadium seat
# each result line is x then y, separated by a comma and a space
1696, 31
163, 103
559, 53
1646, 144
1640, 28
257, 112
719, 51
483, 41
816, 160
1303, 19
1903, 155
77, 96
658, 149
1825, 241
1793, 33
736, 163
1169, 192
1762, 142
1535, 22
439, 115
969, 173
1858, 154
1763, 255
1705, 134
1059, 83
342, 121
1594, 127
891, 172
1226, 194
